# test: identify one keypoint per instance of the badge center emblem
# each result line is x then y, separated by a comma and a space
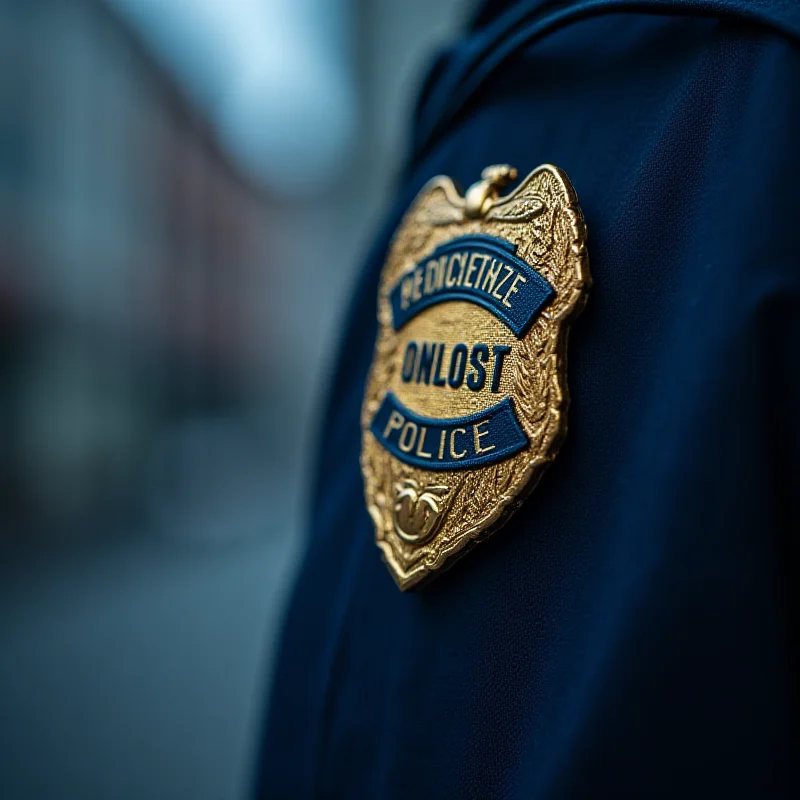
467, 396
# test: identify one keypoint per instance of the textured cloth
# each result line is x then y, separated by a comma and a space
632, 631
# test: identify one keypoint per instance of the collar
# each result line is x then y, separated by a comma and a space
500, 27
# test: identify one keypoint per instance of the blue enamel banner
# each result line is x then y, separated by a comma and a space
480, 269
473, 441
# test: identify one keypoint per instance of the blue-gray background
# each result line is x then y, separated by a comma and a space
186, 189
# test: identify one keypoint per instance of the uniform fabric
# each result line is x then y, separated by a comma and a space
631, 632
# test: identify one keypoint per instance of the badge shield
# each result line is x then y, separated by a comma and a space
466, 399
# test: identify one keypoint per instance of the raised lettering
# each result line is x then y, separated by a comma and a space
500, 352
406, 442
453, 452
440, 272
430, 276
405, 292
409, 359
471, 267
420, 452
509, 273
463, 263
396, 420
478, 359
425, 362
416, 293
458, 366
438, 379
480, 271
513, 289
491, 276
449, 279
479, 434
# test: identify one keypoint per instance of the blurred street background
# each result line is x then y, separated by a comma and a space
187, 188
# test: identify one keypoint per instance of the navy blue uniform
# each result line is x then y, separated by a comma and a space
632, 631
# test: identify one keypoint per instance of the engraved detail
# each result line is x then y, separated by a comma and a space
521, 210
417, 514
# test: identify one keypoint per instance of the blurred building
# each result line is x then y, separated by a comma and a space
166, 329
129, 245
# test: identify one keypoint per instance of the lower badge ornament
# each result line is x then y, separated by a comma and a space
467, 398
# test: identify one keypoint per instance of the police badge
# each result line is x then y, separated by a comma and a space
466, 399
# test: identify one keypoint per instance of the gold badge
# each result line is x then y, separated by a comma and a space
466, 401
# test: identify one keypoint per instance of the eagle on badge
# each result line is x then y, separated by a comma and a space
466, 400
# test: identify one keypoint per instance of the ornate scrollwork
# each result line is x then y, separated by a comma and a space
417, 513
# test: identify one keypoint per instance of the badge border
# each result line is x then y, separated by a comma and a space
526, 481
